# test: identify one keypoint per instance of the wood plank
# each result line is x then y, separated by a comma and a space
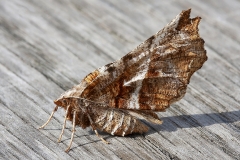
49, 46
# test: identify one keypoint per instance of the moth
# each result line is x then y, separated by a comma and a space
114, 98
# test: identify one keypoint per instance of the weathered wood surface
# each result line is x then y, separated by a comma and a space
49, 46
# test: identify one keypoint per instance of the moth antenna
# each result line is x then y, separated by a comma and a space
64, 125
96, 132
54, 110
73, 131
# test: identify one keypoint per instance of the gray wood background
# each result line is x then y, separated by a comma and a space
46, 47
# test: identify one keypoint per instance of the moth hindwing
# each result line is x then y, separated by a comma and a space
146, 80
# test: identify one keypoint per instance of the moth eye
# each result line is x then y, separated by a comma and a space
64, 102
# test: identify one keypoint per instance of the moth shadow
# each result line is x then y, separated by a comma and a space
171, 124
89, 138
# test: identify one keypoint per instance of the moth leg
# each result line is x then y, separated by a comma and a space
64, 125
101, 137
90, 119
73, 131
54, 110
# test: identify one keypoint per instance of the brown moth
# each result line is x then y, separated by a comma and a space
147, 80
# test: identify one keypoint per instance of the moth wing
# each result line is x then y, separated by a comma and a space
153, 75
146, 115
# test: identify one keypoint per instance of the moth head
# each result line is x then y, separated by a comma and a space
64, 98
61, 101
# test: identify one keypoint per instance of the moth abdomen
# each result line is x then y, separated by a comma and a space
116, 122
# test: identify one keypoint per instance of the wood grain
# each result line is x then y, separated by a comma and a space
49, 46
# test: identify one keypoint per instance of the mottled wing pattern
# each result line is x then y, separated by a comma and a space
153, 75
